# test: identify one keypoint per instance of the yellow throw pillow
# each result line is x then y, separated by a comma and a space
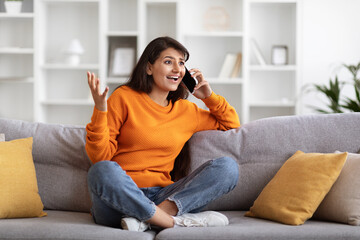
19, 197
298, 188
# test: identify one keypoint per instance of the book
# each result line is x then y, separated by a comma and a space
228, 65
237, 67
231, 66
257, 52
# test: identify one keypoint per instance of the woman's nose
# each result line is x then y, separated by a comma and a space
176, 68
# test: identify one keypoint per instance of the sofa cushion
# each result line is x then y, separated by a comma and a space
342, 203
244, 228
65, 225
298, 188
18, 184
60, 160
261, 147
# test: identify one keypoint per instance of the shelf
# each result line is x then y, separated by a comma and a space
122, 34
71, 1
273, 104
273, 1
62, 66
215, 34
225, 81
17, 80
160, 1
214, 50
16, 15
72, 102
47, 89
273, 68
118, 80
16, 50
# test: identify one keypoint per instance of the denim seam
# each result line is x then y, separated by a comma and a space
151, 214
178, 201
178, 204
109, 203
206, 202
120, 209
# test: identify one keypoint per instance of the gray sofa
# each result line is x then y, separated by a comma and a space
260, 148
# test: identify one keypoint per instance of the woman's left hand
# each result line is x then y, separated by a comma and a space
202, 90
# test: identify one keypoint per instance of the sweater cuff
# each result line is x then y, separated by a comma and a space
212, 101
99, 120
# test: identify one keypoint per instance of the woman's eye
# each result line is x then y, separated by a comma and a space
181, 63
167, 62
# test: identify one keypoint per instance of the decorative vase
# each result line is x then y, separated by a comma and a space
13, 6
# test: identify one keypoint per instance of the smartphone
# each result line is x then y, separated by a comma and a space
189, 81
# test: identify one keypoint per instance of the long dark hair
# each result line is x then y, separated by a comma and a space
182, 164
142, 82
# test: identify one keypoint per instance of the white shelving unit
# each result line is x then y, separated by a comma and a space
272, 89
121, 29
62, 94
209, 42
17, 62
35, 79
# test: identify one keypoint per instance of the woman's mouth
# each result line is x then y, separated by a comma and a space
173, 78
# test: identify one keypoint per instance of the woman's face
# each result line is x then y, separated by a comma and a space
167, 71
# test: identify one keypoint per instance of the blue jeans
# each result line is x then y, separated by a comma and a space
115, 195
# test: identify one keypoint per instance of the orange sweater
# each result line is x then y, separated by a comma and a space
144, 138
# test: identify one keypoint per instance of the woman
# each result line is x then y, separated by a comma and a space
141, 129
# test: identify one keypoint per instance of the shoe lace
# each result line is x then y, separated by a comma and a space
144, 225
191, 222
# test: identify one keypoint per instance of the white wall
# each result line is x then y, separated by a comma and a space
331, 36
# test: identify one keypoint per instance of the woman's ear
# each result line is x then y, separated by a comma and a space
149, 69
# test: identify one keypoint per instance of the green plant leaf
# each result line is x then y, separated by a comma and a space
333, 93
351, 105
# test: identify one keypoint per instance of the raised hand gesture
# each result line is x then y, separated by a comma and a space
99, 98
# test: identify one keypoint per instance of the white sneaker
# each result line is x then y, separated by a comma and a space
202, 219
132, 224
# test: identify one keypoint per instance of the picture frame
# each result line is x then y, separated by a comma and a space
122, 57
279, 55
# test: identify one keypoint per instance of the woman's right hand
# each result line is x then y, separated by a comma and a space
99, 98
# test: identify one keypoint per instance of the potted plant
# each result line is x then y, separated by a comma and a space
13, 6
333, 93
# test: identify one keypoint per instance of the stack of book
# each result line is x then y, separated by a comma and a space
231, 66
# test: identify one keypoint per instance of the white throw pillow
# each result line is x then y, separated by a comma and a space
342, 203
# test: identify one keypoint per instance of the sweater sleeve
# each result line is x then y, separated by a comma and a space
221, 115
102, 131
